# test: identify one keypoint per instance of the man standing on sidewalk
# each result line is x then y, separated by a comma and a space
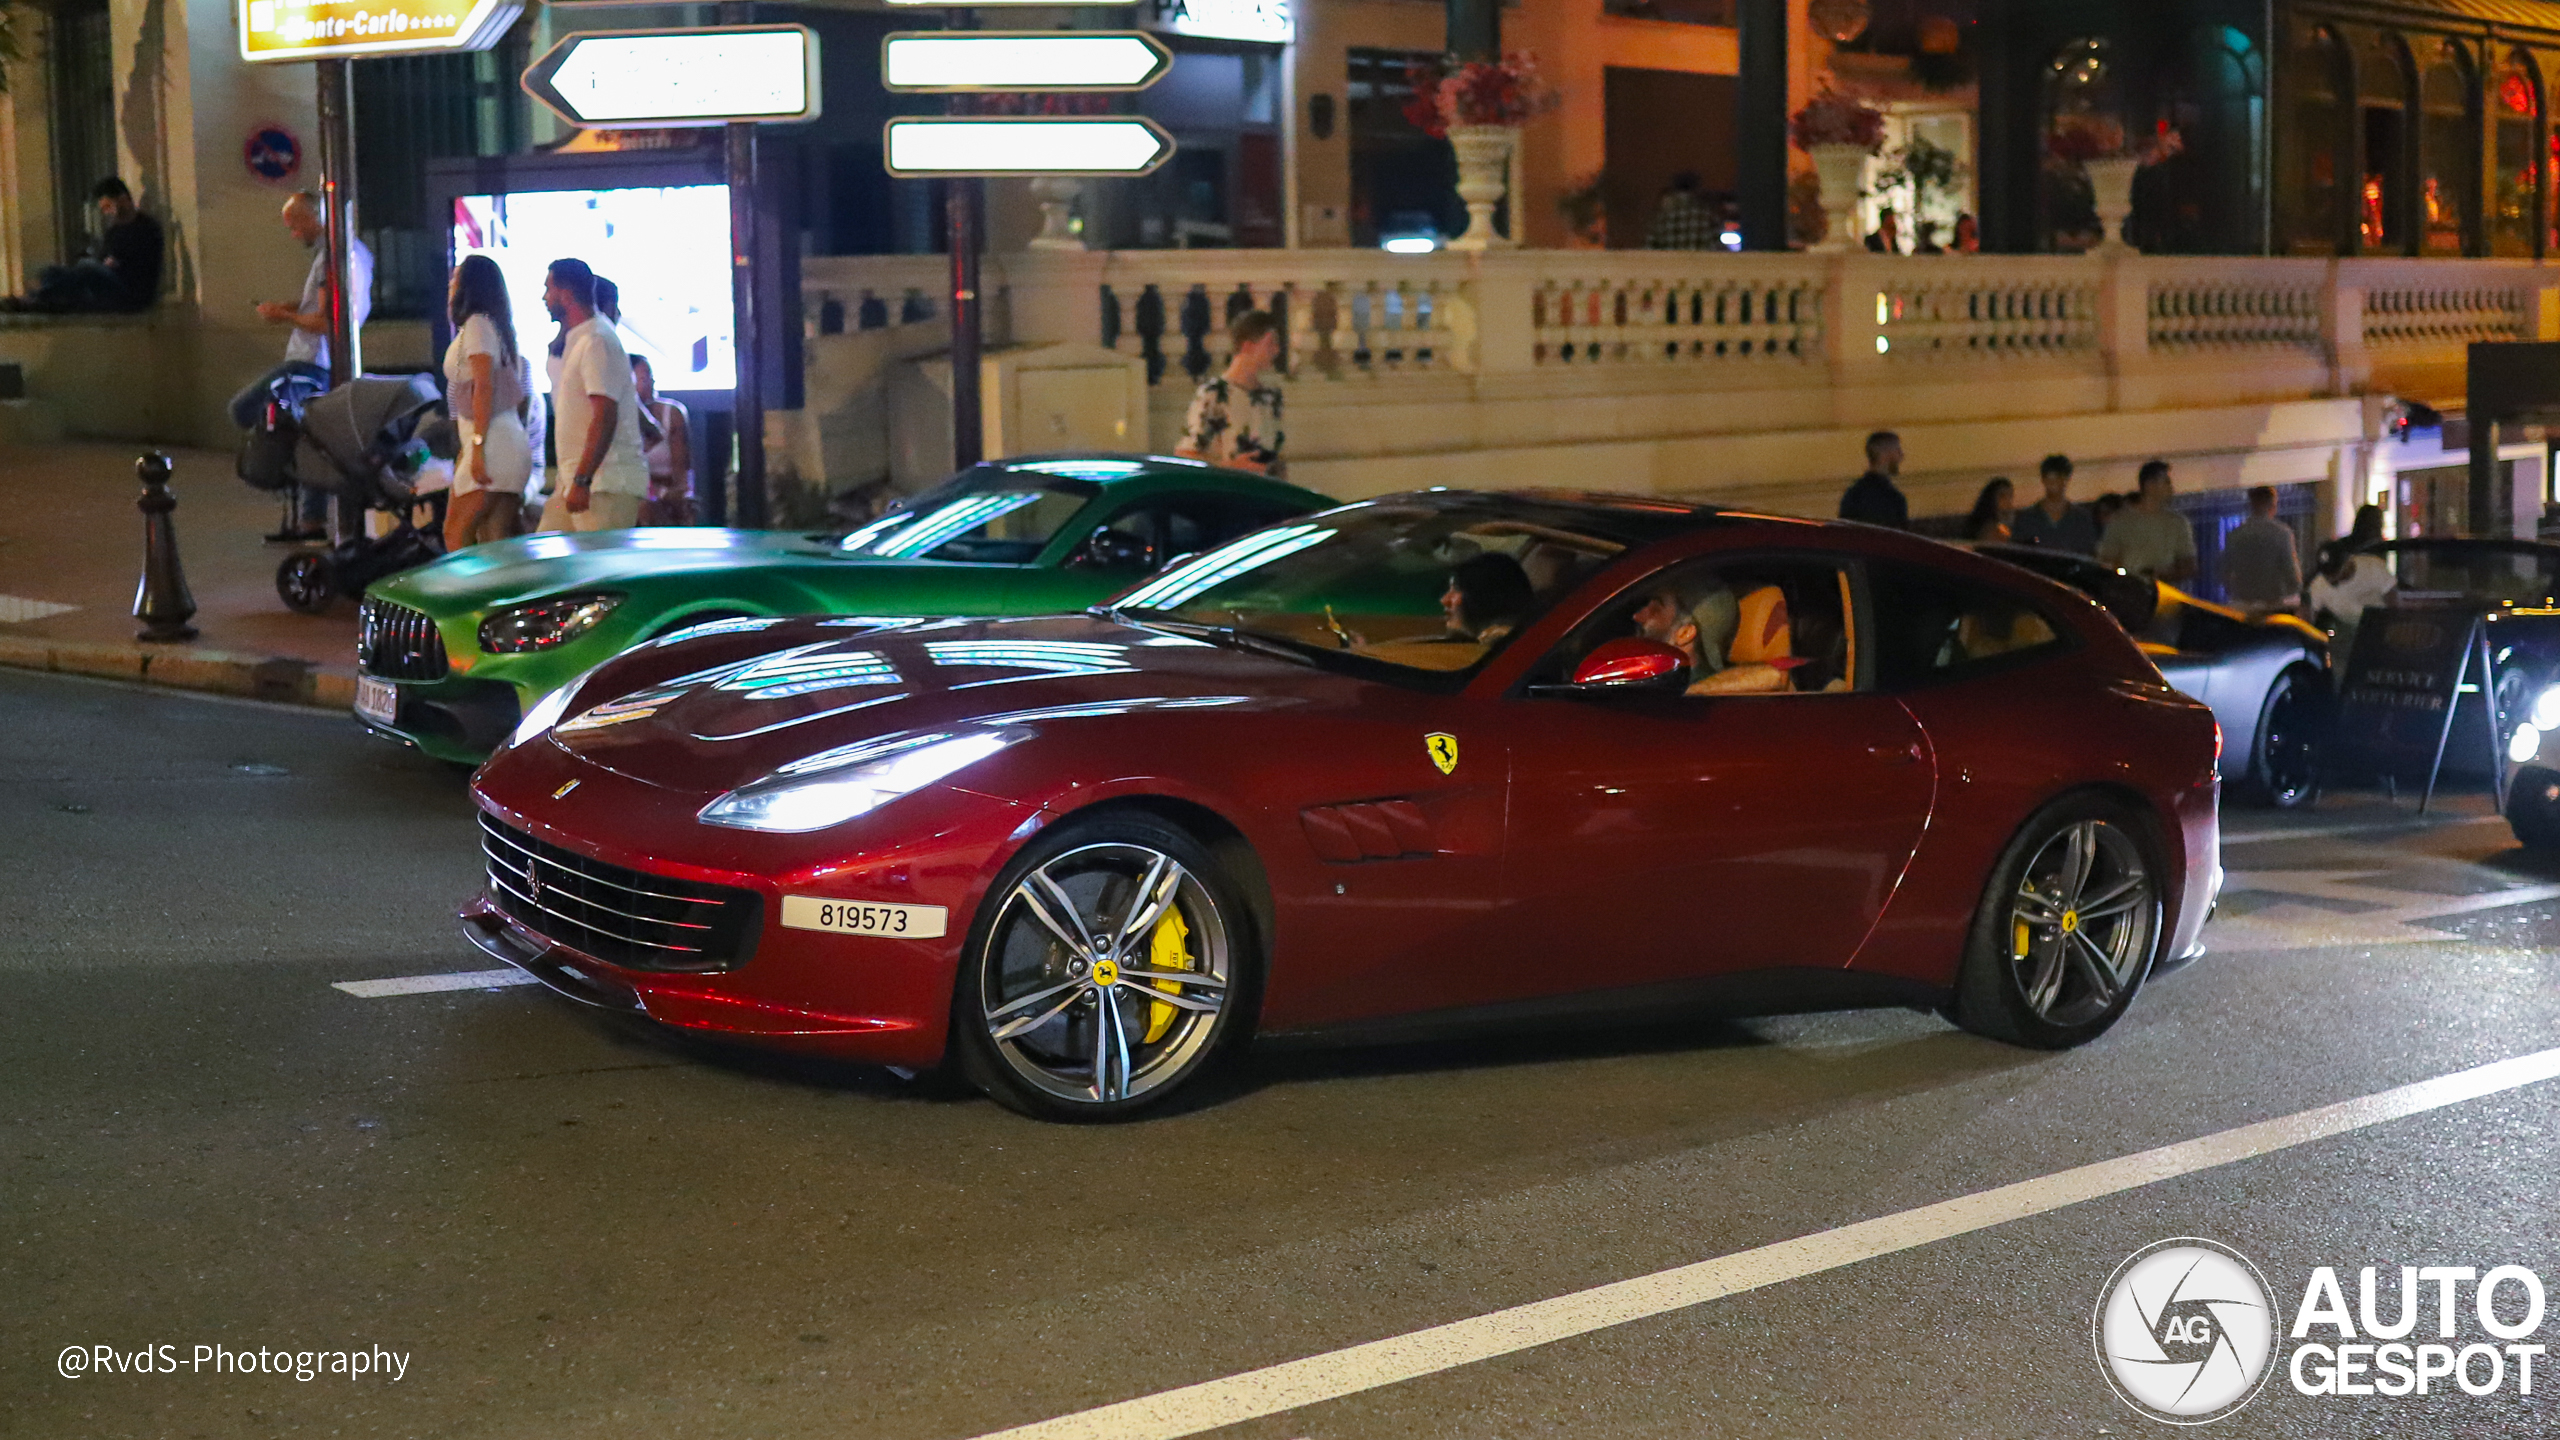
2147, 537
596, 409
2056, 523
306, 350
1235, 418
1873, 497
2261, 570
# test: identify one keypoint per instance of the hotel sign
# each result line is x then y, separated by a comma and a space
274, 30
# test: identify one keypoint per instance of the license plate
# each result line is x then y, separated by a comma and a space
852, 917
377, 700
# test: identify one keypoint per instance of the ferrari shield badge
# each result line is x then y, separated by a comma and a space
1444, 751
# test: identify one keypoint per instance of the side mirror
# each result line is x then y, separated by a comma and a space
1631, 664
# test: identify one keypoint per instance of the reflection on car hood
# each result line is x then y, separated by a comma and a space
507, 571
816, 684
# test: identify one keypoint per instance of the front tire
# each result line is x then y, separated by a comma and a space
2284, 765
1114, 963
2068, 927
2533, 807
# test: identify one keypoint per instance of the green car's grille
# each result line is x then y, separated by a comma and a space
398, 643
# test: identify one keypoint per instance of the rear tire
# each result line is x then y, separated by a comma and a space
303, 583
2284, 765
2069, 925
2533, 807
1066, 1006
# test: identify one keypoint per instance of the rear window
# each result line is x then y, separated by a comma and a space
1931, 627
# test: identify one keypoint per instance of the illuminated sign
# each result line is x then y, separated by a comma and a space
657, 79
1267, 21
1026, 145
1022, 60
272, 30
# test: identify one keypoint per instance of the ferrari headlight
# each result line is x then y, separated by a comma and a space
2526, 744
2546, 709
544, 623
839, 785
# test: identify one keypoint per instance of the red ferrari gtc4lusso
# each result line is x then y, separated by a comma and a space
1436, 759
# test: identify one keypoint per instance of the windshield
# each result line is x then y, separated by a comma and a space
1005, 518
1413, 587
2486, 573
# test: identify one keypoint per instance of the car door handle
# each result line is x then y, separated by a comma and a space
1896, 754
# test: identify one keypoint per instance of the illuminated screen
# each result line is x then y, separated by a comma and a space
667, 249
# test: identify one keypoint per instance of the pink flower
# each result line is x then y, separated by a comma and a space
1832, 118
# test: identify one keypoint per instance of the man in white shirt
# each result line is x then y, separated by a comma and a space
306, 350
604, 475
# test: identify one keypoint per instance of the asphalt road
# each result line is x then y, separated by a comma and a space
569, 1227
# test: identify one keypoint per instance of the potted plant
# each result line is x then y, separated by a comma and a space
2098, 146
1479, 107
1839, 132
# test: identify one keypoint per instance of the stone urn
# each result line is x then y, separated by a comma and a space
1842, 169
2111, 195
1057, 196
1484, 169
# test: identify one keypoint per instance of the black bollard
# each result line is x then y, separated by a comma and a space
162, 603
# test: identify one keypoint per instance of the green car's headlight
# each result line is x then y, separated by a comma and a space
544, 623
839, 785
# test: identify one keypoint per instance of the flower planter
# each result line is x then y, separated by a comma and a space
1484, 165
1842, 171
2111, 194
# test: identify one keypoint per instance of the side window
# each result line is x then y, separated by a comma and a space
1760, 625
1932, 627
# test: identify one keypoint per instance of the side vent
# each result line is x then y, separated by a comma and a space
1372, 830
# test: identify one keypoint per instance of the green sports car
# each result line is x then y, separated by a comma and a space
453, 653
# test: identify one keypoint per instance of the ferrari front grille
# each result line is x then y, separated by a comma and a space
398, 643
628, 918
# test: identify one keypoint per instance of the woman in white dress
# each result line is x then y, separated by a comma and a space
486, 384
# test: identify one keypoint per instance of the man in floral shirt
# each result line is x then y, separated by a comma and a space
1235, 418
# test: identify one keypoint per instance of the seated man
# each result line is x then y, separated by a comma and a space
122, 270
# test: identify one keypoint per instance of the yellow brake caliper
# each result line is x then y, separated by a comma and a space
1168, 949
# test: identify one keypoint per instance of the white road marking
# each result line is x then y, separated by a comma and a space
429, 984
1288, 1386
2313, 832
2391, 916
18, 609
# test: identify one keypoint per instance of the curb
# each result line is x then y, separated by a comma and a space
277, 678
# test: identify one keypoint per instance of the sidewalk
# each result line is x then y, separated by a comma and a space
71, 557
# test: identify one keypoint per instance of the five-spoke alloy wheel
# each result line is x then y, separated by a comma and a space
2068, 928
1110, 966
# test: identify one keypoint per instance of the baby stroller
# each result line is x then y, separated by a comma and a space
366, 443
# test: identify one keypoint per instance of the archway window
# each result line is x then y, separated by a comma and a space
2210, 199
2317, 153
2383, 126
2448, 152
2517, 203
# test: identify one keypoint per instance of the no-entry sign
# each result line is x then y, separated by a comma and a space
660, 79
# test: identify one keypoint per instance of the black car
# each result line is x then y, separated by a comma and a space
2515, 585
2267, 678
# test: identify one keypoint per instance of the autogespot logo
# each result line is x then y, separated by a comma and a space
2185, 1331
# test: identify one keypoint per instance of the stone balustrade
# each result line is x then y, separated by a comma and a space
1423, 369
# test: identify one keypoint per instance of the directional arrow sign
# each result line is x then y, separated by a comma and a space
1022, 60
1027, 145
659, 79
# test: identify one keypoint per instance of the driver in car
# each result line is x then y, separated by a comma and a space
1487, 597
